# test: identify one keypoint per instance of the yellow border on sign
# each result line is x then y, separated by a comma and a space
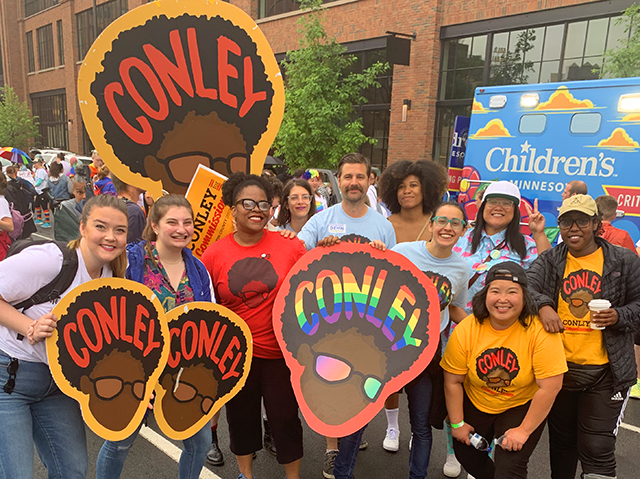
66, 387
173, 315
92, 65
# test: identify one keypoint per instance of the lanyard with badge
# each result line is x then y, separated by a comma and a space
482, 267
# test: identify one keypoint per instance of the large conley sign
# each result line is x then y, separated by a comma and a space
172, 85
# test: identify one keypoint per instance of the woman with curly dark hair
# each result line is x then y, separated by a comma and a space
247, 269
410, 190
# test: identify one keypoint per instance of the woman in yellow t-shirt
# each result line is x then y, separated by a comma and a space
502, 374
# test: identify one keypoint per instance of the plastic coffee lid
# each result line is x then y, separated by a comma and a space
599, 304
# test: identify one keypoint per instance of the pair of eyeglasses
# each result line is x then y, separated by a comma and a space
442, 221
249, 205
12, 369
506, 204
181, 172
496, 380
334, 370
305, 198
185, 392
110, 387
577, 302
581, 222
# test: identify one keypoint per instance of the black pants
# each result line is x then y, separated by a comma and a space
269, 379
583, 426
42, 201
508, 464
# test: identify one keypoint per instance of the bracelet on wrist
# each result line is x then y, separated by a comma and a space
456, 426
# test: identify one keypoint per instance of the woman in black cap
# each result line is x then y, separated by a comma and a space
502, 374
598, 345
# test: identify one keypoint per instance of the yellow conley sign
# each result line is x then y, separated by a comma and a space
212, 218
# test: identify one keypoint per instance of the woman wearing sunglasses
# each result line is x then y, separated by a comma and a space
598, 345
297, 205
163, 262
450, 275
502, 374
247, 269
32, 408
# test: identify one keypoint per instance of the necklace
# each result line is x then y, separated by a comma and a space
171, 264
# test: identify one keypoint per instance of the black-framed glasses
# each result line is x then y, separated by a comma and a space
181, 172
12, 369
506, 204
581, 222
110, 387
184, 392
249, 205
442, 221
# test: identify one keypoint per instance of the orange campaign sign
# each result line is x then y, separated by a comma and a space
107, 352
212, 218
172, 85
209, 361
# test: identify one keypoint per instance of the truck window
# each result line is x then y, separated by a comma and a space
585, 123
532, 124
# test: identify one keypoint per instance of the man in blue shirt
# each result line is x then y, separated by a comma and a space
352, 217
352, 220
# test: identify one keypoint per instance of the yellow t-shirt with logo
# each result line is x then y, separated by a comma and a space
501, 367
582, 282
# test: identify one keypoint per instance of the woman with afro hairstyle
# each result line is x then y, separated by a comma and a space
410, 190
247, 269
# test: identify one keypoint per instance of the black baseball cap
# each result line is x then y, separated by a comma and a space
508, 271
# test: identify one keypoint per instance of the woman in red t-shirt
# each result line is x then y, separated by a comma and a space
247, 269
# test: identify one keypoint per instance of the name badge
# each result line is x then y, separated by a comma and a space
337, 229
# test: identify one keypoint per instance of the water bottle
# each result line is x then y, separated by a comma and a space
481, 444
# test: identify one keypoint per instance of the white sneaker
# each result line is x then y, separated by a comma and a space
469, 476
452, 466
391, 441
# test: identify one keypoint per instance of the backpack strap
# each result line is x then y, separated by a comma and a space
52, 291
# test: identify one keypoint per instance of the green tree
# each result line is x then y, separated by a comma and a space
624, 59
320, 125
17, 125
513, 68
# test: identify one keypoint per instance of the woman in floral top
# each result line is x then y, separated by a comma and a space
163, 262
496, 236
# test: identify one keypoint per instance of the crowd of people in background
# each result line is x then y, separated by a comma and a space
509, 295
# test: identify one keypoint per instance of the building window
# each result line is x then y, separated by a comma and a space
60, 43
551, 53
268, 8
45, 47
31, 59
31, 7
51, 110
105, 14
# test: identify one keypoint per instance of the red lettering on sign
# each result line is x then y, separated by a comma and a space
96, 327
143, 137
226, 70
82, 361
196, 67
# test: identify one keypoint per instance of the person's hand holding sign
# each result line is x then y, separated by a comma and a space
378, 244
328, 241
42, 328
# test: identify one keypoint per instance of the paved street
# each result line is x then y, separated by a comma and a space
151, 458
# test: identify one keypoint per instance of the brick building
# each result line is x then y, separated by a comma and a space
458, 46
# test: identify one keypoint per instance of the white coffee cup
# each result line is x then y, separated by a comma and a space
598, 305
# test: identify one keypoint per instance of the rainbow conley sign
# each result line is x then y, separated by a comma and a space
174, 84
541, 137
354, 324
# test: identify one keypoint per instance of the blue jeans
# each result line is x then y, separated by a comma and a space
347, 455
36, 412
419, 396
113, 454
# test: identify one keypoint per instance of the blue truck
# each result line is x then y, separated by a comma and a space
542, 136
